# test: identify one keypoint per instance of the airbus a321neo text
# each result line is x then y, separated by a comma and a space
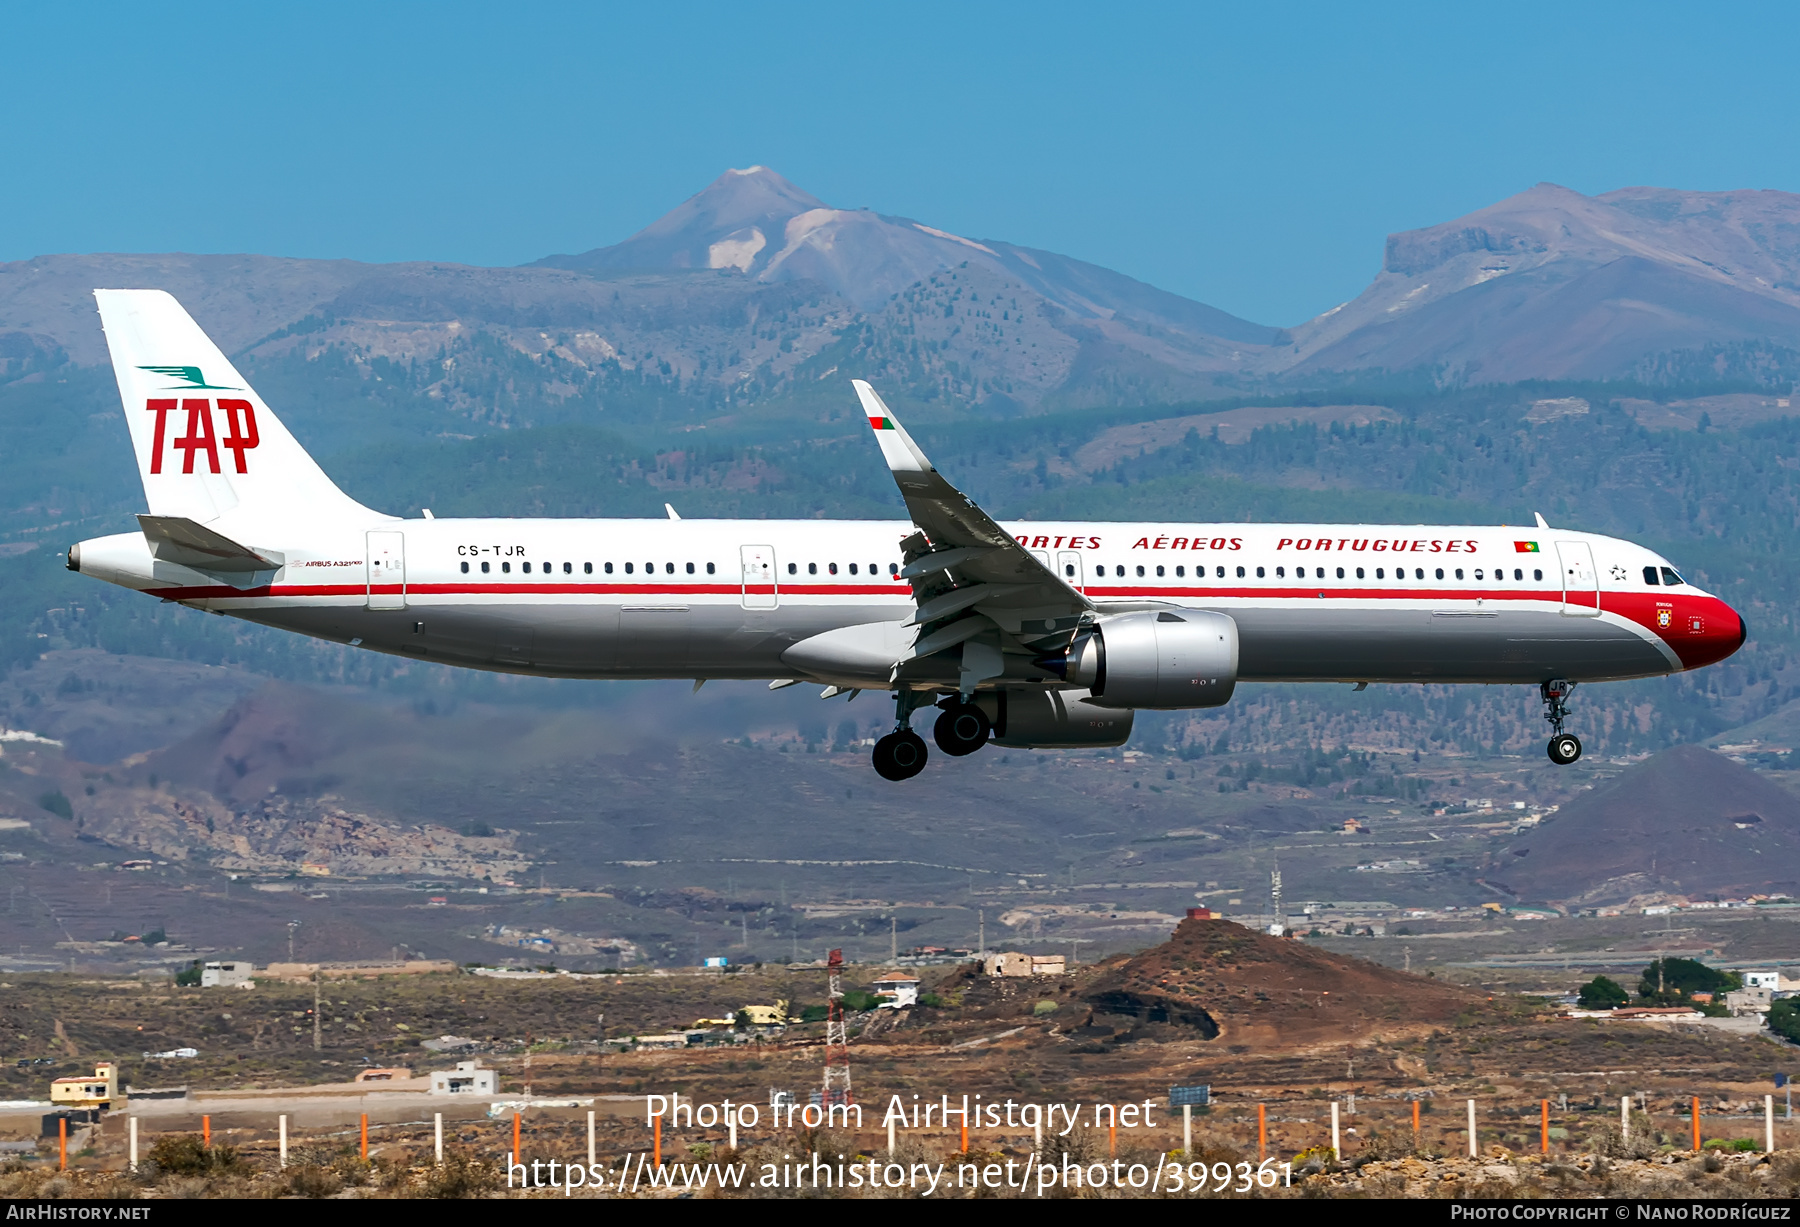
1038, 634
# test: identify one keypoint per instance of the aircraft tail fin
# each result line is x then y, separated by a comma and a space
207, 446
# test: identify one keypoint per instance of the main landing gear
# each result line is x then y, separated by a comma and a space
961, 728
1564, 748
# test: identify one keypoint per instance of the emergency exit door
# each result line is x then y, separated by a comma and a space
1068, 568
1581, 586
760, 587
387, 570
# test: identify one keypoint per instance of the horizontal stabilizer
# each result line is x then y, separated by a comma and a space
180, 540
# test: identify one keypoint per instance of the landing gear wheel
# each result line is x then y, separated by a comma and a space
900, 755
962, 729
1565, 748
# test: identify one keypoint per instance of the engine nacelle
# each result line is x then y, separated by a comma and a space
1026, 718
1168, 659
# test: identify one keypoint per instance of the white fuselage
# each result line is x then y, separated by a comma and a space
726, 598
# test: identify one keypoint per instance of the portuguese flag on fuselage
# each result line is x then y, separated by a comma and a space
1525, 547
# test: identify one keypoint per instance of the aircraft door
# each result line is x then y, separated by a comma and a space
1069, 568
761, 590
387, 570
1581, 588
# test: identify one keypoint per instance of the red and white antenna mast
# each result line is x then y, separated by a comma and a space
837, 1043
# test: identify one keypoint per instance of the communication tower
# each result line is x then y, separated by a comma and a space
1277, 926
837, 1044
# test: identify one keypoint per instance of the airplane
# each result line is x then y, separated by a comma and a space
1023, 634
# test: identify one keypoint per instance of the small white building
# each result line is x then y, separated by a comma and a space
1770, 981
227, 975
897, 990
468, 1078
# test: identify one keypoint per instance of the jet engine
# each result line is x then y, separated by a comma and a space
1027, 718
1169, 659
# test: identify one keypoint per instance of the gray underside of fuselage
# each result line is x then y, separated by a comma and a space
726, 642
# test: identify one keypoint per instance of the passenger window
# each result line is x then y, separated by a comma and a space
1477, 573
465, 568
709, 568
853, 568
812, 568
1440, 573
1518, 574
1119, 571
1319, 572
831, 567
568, 568
669, 567
1670, 578
1537, 575
484, 568
1458, 573
690, 568
793, 568
1650, 577
893, 568
1359, 573
1181, 571
1280, 572
1259, 573
1069, 570
1100, 571
1140, 572
628, 568
1380, 573
1159, 572
506, 568
525, 567
1240, 574
587, 568
1340, 572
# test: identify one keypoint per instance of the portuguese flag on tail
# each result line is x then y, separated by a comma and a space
882, 423
1525, 547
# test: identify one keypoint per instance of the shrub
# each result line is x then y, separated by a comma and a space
185, 1154
57, 804
1601, 993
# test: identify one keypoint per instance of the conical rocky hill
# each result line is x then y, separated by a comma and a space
1687, 821
1244, 987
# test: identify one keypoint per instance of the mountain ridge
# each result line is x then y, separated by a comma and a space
755, 289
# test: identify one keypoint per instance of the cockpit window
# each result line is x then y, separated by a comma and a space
1670, 579
1650, 577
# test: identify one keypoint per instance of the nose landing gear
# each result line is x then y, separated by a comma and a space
1564, 748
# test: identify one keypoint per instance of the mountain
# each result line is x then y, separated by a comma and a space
756, 223
754, 291
1686, 821
1551, 284
751, 289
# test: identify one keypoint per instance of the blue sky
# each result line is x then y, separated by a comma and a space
1251, 156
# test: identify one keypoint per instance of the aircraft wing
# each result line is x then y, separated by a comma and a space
971, 580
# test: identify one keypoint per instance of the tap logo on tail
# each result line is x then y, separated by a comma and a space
239, 437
